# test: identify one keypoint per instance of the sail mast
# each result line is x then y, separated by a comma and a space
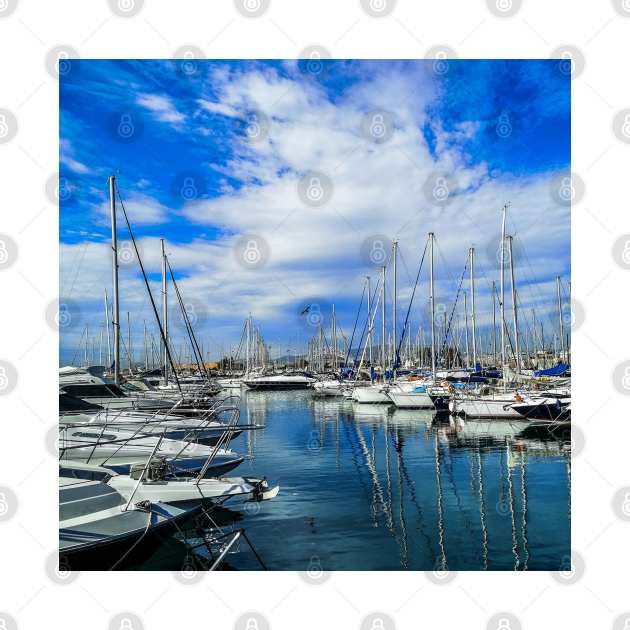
472, 297
514, 309
395, 300
164, 313
383, 351
432, 298
116, 306
502, 294
560, 322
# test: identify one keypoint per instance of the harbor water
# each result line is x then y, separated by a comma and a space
370, 487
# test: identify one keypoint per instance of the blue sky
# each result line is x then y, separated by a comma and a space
499, 131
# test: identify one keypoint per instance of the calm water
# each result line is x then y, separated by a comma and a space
370, 487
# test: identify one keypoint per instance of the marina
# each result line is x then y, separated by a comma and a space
376, 461
413, 415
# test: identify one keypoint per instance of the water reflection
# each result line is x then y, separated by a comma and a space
373, 487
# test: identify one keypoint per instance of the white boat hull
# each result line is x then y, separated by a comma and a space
404, 400
484, 407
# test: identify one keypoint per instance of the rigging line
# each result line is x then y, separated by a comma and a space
189, 328
146, 283
369, 322
447, 330
355, 324
78, 267
413, 293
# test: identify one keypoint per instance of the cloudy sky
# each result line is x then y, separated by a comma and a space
275, 183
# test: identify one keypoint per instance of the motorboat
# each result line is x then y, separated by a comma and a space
92, 385
100, 529
120, 449
77, 412
154, 482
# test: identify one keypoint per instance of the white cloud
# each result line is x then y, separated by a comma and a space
378, 189
162, 108
141, 210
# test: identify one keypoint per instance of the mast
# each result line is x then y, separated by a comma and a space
116, 305
334, 338
109, 343
514, 309
494, 321
561, 323
146, 348
395, 256
129, 340
432, 298
164, 313
369, 310
502, 296
383, 351
472, 298
466, 329
100, 349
